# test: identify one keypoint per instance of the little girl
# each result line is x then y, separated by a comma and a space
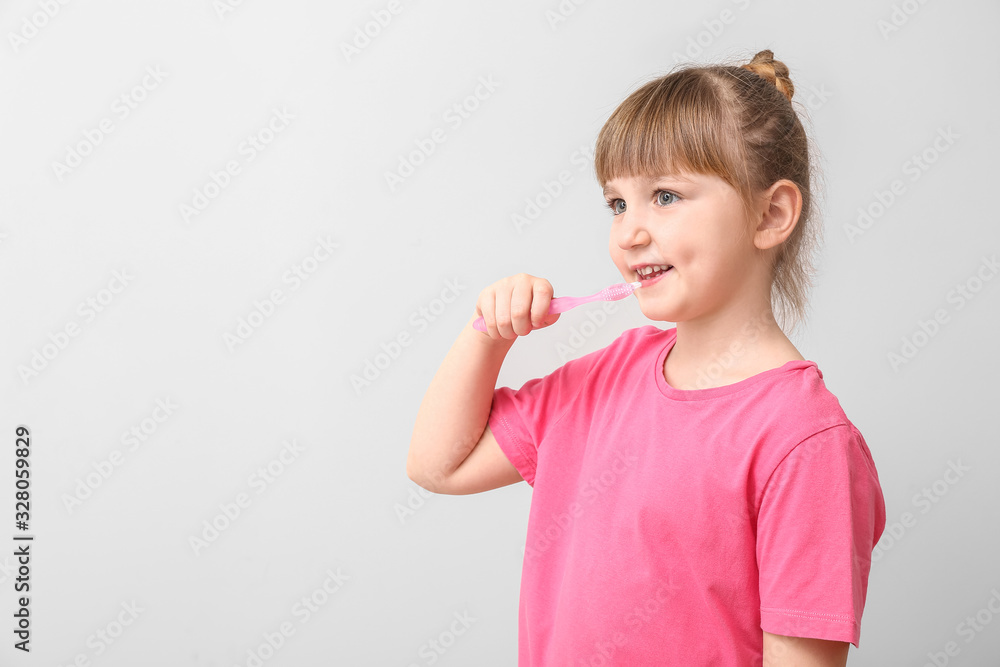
699, 495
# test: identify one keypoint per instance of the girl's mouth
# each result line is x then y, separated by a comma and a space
654, 277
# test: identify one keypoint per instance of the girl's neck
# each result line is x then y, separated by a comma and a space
727, 349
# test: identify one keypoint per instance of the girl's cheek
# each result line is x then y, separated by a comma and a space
680, 255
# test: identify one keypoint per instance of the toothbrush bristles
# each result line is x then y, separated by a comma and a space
622, 290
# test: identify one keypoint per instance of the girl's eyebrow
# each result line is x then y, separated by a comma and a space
649, 182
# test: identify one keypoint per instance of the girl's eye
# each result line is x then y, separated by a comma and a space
660, 197
613, 205
663, 198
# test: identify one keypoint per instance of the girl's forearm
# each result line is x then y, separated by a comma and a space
456, 406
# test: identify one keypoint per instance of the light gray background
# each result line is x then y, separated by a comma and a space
872, 99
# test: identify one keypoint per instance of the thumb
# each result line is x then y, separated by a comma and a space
549, 320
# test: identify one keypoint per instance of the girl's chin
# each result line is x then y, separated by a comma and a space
658, 314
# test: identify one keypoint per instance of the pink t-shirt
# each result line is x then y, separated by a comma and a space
670, 527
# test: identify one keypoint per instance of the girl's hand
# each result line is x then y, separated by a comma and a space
516, 306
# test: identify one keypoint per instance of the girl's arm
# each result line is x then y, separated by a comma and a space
452, 449
782, 651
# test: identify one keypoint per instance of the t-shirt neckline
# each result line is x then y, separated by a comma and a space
711, 392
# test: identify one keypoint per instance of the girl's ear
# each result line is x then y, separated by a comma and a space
781, 205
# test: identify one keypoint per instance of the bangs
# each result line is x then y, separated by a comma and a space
671, 125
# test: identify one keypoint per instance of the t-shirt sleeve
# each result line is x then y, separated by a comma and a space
821, 514
520, 420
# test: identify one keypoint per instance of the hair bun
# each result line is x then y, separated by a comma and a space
764, 65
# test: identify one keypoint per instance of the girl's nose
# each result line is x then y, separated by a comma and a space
630, 230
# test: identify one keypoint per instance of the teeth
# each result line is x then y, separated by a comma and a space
647, 270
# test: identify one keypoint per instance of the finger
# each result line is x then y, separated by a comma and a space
520, 308
503, 321
548, 321
541, 298
487, 308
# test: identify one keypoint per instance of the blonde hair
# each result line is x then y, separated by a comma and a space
735, 122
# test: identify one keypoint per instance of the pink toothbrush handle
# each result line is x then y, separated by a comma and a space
561, 304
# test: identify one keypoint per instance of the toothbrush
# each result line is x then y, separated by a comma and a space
561, 304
